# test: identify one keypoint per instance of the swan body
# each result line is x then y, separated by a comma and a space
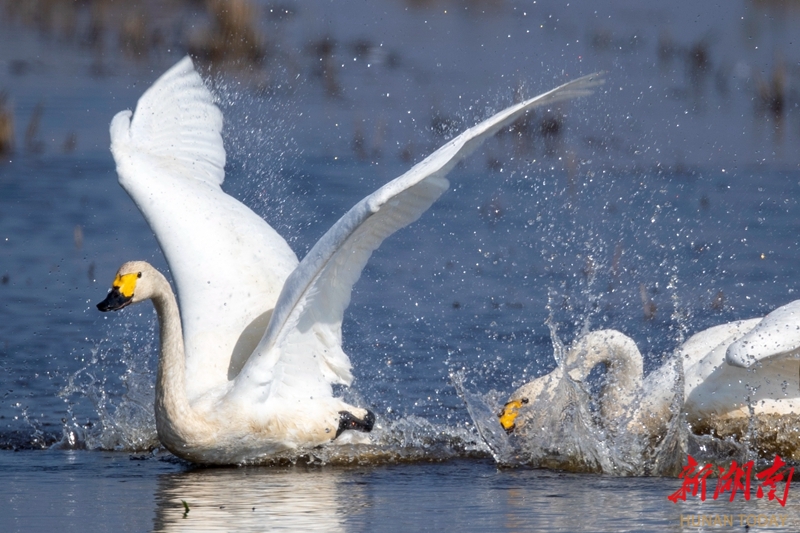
252, 345
718, 397
222, 429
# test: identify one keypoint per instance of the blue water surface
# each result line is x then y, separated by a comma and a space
675, 184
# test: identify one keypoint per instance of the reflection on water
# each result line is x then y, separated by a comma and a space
454, 496
287, 498
469, 497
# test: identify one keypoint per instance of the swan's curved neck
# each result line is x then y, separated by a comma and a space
174, 416
625, 368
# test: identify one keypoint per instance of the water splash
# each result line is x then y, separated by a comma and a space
655, 441
560, 432
564, 431
408, 439
483, 410
126, 421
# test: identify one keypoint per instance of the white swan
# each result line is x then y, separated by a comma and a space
718, 397
623, 379
249, 374
552, 424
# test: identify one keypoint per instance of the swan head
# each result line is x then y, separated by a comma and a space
134, 282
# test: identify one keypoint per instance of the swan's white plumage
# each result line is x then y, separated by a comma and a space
776, 335
178, 124
712, 387
262, 332
716, 395
228, 264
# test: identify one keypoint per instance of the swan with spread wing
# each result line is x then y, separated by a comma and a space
252, 345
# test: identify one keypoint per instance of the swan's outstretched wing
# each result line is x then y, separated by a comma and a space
778, 334
228, 264
300, 353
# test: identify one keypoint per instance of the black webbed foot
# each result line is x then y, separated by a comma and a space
348, 420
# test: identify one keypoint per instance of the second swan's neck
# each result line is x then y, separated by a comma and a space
625, 368
176, 421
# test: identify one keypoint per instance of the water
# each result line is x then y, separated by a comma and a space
86, 491
675, 181
142, 494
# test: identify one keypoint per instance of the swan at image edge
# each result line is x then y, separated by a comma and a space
231, 268
716, 393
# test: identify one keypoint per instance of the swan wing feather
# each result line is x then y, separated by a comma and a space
703, 353
777, 334
178, 123
303, 339
228, 264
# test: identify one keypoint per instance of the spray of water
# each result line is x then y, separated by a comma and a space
119, 382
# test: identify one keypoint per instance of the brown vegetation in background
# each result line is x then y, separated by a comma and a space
6, 125
134, 37
33, 142
229, 29
232, 34
772, 92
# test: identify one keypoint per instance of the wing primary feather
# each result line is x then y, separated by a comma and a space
177, 124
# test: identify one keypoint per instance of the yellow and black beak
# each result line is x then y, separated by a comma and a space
121, 293
508, 415
114, 301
